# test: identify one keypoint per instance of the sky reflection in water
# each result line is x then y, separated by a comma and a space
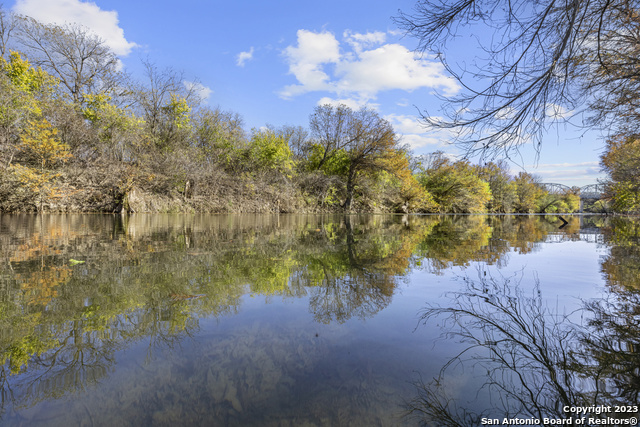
273, 320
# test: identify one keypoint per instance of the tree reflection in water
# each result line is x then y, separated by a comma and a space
537, 361
61, 326
80, 356
151, 279
358, 286
613, 344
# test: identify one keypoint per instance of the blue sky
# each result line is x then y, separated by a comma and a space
273, 62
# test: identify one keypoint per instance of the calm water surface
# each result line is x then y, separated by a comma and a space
315, 320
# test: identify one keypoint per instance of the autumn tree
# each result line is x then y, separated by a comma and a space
40, 143
351, 144
503, 189
528, 192
455, 186
410, 195
23, 90
539, 60
621, 161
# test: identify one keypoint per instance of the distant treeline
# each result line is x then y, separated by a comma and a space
77, 133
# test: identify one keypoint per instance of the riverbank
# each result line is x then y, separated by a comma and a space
125, 190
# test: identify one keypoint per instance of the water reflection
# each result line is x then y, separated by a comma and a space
538, 360
527, 351
612, 345
151, 280
622, 266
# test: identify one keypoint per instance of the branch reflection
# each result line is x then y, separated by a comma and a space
534, 362
151, 278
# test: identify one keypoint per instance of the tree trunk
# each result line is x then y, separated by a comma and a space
350, 188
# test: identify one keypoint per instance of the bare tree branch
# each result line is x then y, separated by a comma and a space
544, 62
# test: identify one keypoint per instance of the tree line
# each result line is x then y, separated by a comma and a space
77, 133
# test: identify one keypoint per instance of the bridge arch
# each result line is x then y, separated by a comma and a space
555, 188
591, 192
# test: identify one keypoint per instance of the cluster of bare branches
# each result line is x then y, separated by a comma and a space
537, 361
541, 62
526, 350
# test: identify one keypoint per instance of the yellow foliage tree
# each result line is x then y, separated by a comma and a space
23, 92
621, 161
118, 128
39, 141
415, 198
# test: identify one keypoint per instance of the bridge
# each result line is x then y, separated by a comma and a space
589, 192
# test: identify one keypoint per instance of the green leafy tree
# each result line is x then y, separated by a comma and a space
270, 151
566, 201
177, 118
455, 186
621, 161
218, 135
166, 105
503, 189
297, 138
528, 193
31, 141
118, 129
358, 143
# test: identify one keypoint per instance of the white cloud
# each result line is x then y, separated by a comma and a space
556, 112
368, 67
420, 141
569, 177
199, 89
406, 124
565, 165
307, 59
243, 57
354, 104
568, 173
104, 23
415, 133
360, 41
391, 66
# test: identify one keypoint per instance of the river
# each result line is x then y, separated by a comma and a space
311, 320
